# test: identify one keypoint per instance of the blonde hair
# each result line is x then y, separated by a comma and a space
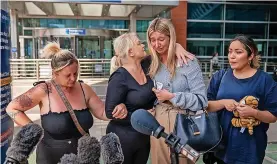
122, 45
165, 27
60, 57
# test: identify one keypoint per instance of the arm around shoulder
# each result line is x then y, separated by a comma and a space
194, 99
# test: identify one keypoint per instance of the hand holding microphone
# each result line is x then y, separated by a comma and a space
145, 123
23, 144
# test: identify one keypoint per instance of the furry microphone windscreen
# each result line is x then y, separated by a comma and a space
111, 150
88, 150
24, 142
69, 159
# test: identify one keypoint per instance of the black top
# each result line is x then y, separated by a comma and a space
60, 126
123, 88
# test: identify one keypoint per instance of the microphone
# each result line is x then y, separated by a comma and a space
111, 150
88, 150
23, 144
69, 159
143, 122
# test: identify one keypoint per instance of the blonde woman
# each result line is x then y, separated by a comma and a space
130, 85
183, 87
60, 133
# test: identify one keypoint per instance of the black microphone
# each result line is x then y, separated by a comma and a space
23, 144
69, 159
88, 150
111, 150
143, 122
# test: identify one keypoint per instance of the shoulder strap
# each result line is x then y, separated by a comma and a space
69, 108
225, 71
38, 82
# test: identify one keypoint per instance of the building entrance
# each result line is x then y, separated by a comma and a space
84, 43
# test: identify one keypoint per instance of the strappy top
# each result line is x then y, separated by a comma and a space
61, 126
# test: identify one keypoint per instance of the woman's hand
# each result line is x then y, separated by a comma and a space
229, 104
246, 111
182, 55
120, 111
163, 94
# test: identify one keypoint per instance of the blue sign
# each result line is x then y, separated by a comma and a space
75, 31
14, 49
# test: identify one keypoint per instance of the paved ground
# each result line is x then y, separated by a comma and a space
99, 128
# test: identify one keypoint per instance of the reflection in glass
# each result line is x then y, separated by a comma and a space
28, 48
273, 31
246, 12
254, 30
204, 30
205, 11
204, 48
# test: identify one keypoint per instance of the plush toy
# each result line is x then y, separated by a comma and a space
249, 122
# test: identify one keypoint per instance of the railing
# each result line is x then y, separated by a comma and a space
96, 68
41, 68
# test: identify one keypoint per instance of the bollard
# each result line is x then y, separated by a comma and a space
6, 122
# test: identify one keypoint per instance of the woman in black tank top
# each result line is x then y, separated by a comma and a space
60, 133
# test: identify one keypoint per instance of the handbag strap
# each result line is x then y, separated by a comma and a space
69, 108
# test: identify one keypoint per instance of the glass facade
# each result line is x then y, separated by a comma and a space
83, 45
211, 26
75, 23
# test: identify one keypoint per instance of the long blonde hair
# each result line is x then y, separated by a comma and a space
60, 58
165, 27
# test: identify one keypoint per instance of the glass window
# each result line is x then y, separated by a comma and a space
273, 13
142, 25
28, 32
246, 12
273, 31
29, 22
204, 48
70, 23
43, 22
205, 11
255, 30
204, 30
272, 52
272, 49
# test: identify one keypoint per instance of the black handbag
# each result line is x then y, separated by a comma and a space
202, 131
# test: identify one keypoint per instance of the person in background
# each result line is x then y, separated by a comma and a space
227, 88
60, 133
183, 87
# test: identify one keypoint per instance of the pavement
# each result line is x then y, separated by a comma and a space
99, 128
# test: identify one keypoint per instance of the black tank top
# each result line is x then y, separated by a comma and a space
60, 126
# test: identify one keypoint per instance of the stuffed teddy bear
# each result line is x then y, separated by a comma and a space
249, 122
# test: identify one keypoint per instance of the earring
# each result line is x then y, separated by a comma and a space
249, 62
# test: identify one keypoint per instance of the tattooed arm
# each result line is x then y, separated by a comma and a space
24, 102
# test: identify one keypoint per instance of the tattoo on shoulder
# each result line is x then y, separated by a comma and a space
46, 87
24, 101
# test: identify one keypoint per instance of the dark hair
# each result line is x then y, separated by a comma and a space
250, 47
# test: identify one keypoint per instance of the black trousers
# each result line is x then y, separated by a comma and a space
50, 151
135, 146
